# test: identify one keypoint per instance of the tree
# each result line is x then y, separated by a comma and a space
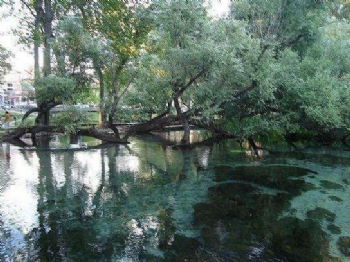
75, 50
183, 55
123, 27
319, 95
340, 9
39, 32
281, 23
278, 26
259, 71
5, 64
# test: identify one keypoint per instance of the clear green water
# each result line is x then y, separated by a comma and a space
146, 201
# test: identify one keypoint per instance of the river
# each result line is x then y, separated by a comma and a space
147, 201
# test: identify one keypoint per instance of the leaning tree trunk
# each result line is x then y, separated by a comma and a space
43, 117
184, 122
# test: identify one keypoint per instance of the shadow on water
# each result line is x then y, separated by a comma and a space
147, 201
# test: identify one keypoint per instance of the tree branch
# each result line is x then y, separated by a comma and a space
190, 82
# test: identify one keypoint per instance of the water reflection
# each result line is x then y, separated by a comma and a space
18, 203
6, 151
146, 201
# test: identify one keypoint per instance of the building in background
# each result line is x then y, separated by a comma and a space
14, 90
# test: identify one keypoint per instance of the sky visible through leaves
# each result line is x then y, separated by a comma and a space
22, 61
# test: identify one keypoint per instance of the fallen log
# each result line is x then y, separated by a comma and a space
105, 135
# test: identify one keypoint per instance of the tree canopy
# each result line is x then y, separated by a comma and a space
268, 67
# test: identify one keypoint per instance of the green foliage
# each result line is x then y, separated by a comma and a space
75, 50
271, 67
5, 64
119, 29
28, 122
177, 50
148, 86
126, 28
314, 89
280, 22
54, 89
71, 119
234, 56
340, 8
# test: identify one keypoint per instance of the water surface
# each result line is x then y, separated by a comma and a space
146, 201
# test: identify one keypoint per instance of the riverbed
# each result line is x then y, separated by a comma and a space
148, 201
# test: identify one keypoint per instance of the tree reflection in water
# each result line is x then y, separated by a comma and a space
147, 201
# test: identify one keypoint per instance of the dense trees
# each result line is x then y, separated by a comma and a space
183, 54
280, 27
308, 86
269, 67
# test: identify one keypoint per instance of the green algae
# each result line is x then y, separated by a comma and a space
344, 245
283, 178
321, 214
237, 218
240, 215
334, 229
330, 185
335, 198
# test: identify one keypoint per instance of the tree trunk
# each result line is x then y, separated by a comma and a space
102, 114
43, 117
43, 18
184, 122
112, 114
48, 35
38, 20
